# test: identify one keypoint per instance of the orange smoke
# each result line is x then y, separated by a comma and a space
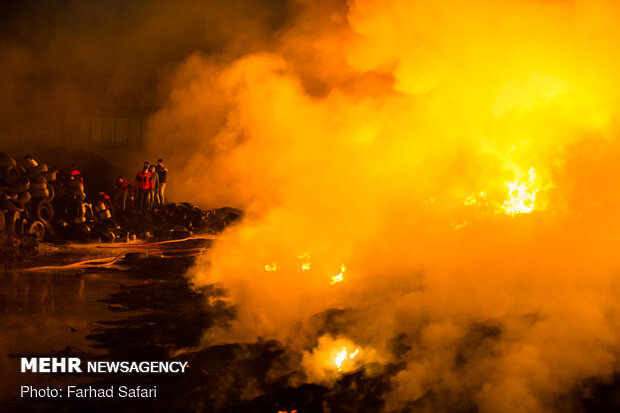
456, 158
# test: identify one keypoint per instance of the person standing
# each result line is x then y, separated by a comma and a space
162, 172
153, 198
143, 184
119, 200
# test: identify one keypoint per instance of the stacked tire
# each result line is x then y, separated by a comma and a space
24, 198
178, 221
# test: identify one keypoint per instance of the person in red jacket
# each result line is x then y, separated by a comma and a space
75, 174
143, 183
119, 199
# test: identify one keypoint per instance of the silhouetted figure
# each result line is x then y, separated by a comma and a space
119, 199
154, 187
143, 185
162, 173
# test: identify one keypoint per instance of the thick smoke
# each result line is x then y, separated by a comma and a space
382, 136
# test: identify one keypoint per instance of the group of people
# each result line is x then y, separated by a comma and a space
148, 190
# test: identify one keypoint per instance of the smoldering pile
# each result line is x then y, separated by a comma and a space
36, 204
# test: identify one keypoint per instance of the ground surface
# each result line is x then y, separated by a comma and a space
142, 308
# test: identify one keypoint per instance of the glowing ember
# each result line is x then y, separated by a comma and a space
343, 357
340, 357
474, 199
522, 195
459, 225
339, 277
335, 356
305, 264
272, 267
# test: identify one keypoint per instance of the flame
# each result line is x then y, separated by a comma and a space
342, 357
338, 278
333, 357
305, 264
409, 122
522, 195
272, 267
459, 225
474, 199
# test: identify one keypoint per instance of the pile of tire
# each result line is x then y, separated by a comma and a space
81, 221
178, 221
217, 219
34, 202
25, 195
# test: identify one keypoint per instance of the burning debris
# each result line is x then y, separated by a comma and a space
462, 170
338, 278
459, 158
522, 195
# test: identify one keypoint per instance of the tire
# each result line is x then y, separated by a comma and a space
74, 209
76, 220
7, 160
82, 232
11, 205
11, 219
35, 170
18, 182
43, 210
161, 212
37, 229
51, 192
104, 215
62, 196
50, 176
40, 193
107, 236
38, 185
8, 192
37, 178
99, 207
20, 227
74, 185
176, 213
186, 222
185, 207
196, 217
24, 197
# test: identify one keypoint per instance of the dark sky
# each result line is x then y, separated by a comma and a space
83, 56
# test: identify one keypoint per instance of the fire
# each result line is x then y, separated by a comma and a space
409, 149
342, 357
305, 261
338, 278
475, 199
334, 357
522, 195
272, 267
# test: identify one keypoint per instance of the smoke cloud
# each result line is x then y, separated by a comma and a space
430, 183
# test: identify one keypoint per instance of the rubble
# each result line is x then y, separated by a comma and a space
38, 204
